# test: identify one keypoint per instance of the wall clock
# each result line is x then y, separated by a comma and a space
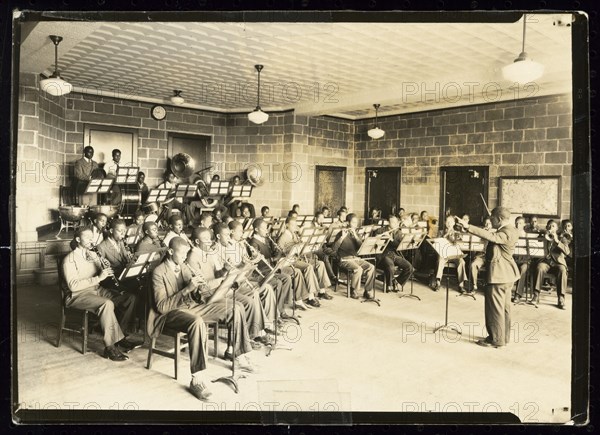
158, 112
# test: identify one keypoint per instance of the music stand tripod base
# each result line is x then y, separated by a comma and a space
373, 299
468, 294
445, 325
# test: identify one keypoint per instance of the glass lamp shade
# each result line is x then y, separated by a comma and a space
257, 116
55, 86
376, 133
523, 70
177, 100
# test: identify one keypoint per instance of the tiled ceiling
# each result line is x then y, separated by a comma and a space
338, 69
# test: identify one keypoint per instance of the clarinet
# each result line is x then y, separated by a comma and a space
196, 295
105, 264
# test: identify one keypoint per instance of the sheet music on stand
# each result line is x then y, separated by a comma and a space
241, 191
186, 190
327, 221
445, 249
383, 222
99, 185
218, 188
471, 243
247, 223
143, 264
313, 243
133, 236
307, 233
277, 227
372, 246
410, 240
158, 195
536, 248
127, 174
304, 219
365, 230
333, 234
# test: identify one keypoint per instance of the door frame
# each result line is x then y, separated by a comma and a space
87, 129
174, 134
397, 169
443, 173
342, 169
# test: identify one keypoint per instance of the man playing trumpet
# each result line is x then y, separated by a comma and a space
391, 259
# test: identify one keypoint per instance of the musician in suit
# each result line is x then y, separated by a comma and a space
150, 242
288, 277
325, 253
84, 168
83, 272
346, 245
142, 187
205, 258
172, 306
175, 230
522, 262
315, 276
453, 237
114, 251
99, 228
532, 225
556, 249
392, 259
502, 272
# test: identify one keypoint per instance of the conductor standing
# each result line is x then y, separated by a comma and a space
502, 273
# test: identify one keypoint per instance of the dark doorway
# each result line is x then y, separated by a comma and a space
198, 147
383, 190
330, 187
461, 191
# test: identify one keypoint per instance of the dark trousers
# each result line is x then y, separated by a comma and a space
114, 311
523, 268
559, 270
191, 321
497, 312
324, 254
389, 262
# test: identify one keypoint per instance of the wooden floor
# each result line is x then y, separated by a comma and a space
346, 355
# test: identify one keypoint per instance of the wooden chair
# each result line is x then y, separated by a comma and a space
83, 329
339, 268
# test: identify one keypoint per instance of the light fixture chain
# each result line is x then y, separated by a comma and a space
524, 25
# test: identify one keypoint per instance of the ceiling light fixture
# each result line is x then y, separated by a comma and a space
177, 99
257, 116
55, 85
376, 132
523, 69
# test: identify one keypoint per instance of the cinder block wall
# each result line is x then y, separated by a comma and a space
516, 138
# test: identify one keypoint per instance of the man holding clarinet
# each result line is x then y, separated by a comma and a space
502, 272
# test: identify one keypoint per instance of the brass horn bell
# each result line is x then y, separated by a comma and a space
183, 165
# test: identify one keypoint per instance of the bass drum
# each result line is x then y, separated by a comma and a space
130, 202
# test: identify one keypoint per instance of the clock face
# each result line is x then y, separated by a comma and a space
158, 112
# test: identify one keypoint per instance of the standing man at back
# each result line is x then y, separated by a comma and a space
502, 272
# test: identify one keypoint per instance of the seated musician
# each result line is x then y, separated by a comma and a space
326, 211
414, 220
138, 220
374, 216
315, 276
522, 262
431, 224
264, 212
184, 209
405, 218
392, 259
325, 253
205, 258
532, 225
453, 237
99, 228
142, 187
83, 273
556, 249
172, 306
175, 230
113, 249
217, 216
206, 221
478, 260
84, 168
346, 245
341, 221
150, 242
282, 279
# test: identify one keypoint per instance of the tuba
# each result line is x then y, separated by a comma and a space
254, 176
183, 165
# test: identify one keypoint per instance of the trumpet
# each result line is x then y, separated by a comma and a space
104, 263
551, 237
196, 295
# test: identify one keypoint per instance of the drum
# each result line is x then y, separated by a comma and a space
109, 210
130, 201
151, 218
150, 207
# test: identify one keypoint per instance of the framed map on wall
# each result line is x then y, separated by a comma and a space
538, 196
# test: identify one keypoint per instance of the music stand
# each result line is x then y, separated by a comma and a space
99, 185
333, 232
143, 264
186, 190
232, 379
327, 221
277, 227
133, 236
158, 195
241, 191
371, 247
446, 251
535, 249
410, 241
313, 243
218, 188
127, 174
247, 224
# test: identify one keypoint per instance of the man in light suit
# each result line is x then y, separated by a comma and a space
556, 250
171, 305
113, 249
502, 273
83, 174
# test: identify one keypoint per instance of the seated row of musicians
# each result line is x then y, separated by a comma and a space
453, 237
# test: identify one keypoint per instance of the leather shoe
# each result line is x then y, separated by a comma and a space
263, 339
486, 343
436, 285
127, 345
353, 295
199, 389
313, 303
516, 299
561, 303
535, 299
326, 296
301, 305
114, 354
366, 295
228, 356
